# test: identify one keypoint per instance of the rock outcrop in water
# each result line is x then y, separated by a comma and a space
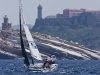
47, 45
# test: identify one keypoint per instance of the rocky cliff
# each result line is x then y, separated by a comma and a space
47, 45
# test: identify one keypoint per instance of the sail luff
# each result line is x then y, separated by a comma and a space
26, 61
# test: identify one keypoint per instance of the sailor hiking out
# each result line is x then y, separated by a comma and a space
49, 61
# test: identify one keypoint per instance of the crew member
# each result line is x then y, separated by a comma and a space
48, 60
53, 59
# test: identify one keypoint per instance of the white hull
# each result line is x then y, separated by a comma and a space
38, 67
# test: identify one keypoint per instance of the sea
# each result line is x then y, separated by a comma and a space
65, 67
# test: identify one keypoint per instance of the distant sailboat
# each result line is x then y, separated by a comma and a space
33, 48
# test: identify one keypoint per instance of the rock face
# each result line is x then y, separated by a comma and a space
83, 29
47, 45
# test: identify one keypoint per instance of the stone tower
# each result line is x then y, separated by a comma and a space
39, 16
6, 25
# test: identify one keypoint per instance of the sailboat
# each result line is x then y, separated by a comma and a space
35, 54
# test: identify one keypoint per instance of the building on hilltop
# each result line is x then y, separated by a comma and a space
69, 13
6, 25
60, 16
51, 17
72, 12
39, 16
95, 12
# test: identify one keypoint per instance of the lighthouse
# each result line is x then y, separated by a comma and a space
39, 16
6, 25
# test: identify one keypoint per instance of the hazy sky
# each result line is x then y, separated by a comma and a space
50, 7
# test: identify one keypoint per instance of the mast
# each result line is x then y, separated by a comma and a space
26, 61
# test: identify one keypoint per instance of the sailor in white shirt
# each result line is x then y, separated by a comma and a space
53, 59
50, 60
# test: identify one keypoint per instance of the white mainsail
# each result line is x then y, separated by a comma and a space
33, 48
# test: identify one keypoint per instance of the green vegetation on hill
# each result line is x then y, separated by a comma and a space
84, 29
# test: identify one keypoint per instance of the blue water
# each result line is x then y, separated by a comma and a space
66, 67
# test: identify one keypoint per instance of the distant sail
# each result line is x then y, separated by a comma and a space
26, 61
